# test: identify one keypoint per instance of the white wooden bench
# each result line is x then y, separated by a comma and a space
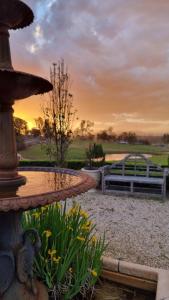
134, 174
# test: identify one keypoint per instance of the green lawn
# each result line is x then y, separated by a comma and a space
161, 159
77, 151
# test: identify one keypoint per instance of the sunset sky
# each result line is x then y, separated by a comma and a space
117, 52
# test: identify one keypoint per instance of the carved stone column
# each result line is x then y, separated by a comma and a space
5, 53
8, 153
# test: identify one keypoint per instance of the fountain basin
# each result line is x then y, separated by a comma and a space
15, 14
19, 85
44, 186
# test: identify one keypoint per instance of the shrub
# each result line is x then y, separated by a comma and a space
93, 153
69, 261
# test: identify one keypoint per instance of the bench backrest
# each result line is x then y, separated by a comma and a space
136, 165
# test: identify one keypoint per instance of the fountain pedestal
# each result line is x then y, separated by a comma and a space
8, 154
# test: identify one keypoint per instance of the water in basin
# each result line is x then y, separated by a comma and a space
119, 156
40, 183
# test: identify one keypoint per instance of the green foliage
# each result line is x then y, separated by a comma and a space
21, 129
76, 165
20, 126
94, 152
69, 261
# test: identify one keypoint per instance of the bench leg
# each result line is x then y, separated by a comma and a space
164, 191
132, 187
103, 186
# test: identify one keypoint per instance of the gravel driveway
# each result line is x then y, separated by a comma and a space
137, 230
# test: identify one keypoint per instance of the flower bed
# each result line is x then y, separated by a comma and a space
69, 262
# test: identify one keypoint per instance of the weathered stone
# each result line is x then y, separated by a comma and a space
18, 291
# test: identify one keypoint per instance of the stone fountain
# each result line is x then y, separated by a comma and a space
18, 191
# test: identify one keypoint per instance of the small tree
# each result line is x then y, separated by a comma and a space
58, 115
94, 152
39, 124
20, 126
85, 130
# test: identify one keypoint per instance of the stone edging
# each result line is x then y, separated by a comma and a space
153, 278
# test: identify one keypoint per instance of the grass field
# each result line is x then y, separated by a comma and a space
78, 148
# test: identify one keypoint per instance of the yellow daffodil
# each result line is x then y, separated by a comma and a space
80, 238
70, 228
43, 209
94, 239
48, 233
84, 214
85, 228
58, 205
93, 273
89, 223
56, 260
51, 252
36, 215
72, 211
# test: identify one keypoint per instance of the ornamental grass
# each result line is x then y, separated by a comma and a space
69, 261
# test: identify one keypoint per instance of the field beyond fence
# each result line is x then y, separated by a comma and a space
77, 150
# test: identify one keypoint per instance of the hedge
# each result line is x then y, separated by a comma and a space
72, 164
76, 165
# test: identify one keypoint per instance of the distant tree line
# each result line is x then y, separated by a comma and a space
165, 138
85, 131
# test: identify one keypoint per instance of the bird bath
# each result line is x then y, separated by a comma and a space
32, 187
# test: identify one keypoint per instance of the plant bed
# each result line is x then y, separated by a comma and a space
70, 264
106, 290
69, 261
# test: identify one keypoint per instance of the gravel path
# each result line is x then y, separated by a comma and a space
137, 230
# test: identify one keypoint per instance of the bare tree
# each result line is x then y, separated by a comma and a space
85, 129
59, 114
129, 137
39, 124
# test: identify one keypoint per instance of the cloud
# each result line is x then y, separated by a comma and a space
117, 52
